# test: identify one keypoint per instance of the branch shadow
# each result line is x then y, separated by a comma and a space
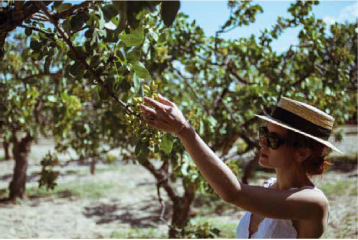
146, 215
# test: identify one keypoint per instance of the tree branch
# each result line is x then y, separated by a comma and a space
39, 30
18, 5
162, 180
98, 77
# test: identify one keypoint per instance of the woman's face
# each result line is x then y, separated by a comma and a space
271, 158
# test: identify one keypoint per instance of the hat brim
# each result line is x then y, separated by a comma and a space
281, 124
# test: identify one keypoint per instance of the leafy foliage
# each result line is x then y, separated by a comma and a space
194, 231
48, 175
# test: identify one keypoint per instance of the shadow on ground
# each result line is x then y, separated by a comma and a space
145, 216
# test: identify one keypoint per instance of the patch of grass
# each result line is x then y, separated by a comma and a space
138, 233
82, 190
4, 193
354, 193
339, 187
227, 229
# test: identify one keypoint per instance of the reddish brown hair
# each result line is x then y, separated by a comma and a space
317, 162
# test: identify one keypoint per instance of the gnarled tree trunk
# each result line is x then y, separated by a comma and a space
21, 152
181, 204
181, 211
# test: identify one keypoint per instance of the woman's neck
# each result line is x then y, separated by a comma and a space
287, 179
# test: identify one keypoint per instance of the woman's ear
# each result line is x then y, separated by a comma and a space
302, 154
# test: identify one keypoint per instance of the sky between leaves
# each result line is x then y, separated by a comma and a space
210, 15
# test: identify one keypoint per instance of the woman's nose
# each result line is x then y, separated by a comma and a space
263, 142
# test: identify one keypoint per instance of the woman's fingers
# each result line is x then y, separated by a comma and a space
165, 101
147, 110
154, 103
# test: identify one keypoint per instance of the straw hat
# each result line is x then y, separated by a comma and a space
304, 119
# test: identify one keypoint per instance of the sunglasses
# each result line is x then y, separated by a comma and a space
273, 141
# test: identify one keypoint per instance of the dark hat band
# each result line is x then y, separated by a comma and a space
300, 123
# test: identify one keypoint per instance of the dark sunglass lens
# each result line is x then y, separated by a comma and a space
262, 132
273, 142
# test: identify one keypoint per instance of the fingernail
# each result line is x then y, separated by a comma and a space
160, 95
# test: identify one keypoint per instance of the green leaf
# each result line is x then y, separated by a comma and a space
78, 20
28, 31
141, 150
140, 70
133, 56
169, 11
35, 45
56, 4
64, 7
167, 143
76, 69
109, 11
135, 38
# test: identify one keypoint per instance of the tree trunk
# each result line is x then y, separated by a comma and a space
21, 152
249, 168
181, 205
181, 210
93, 166
6, 150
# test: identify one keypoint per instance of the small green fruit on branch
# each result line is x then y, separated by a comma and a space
98, 77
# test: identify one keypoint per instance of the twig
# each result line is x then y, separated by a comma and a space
39, 30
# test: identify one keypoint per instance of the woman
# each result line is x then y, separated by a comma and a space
293, 142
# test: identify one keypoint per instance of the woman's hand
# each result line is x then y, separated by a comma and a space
165, 116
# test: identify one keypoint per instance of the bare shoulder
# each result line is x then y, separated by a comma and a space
315, 196
316, 202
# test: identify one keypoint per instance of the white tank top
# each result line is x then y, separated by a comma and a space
269, 227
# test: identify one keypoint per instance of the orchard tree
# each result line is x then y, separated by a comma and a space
219, 84
34, 101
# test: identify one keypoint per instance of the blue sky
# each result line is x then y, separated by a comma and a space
210, 15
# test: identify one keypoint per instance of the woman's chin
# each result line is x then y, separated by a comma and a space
263, 162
